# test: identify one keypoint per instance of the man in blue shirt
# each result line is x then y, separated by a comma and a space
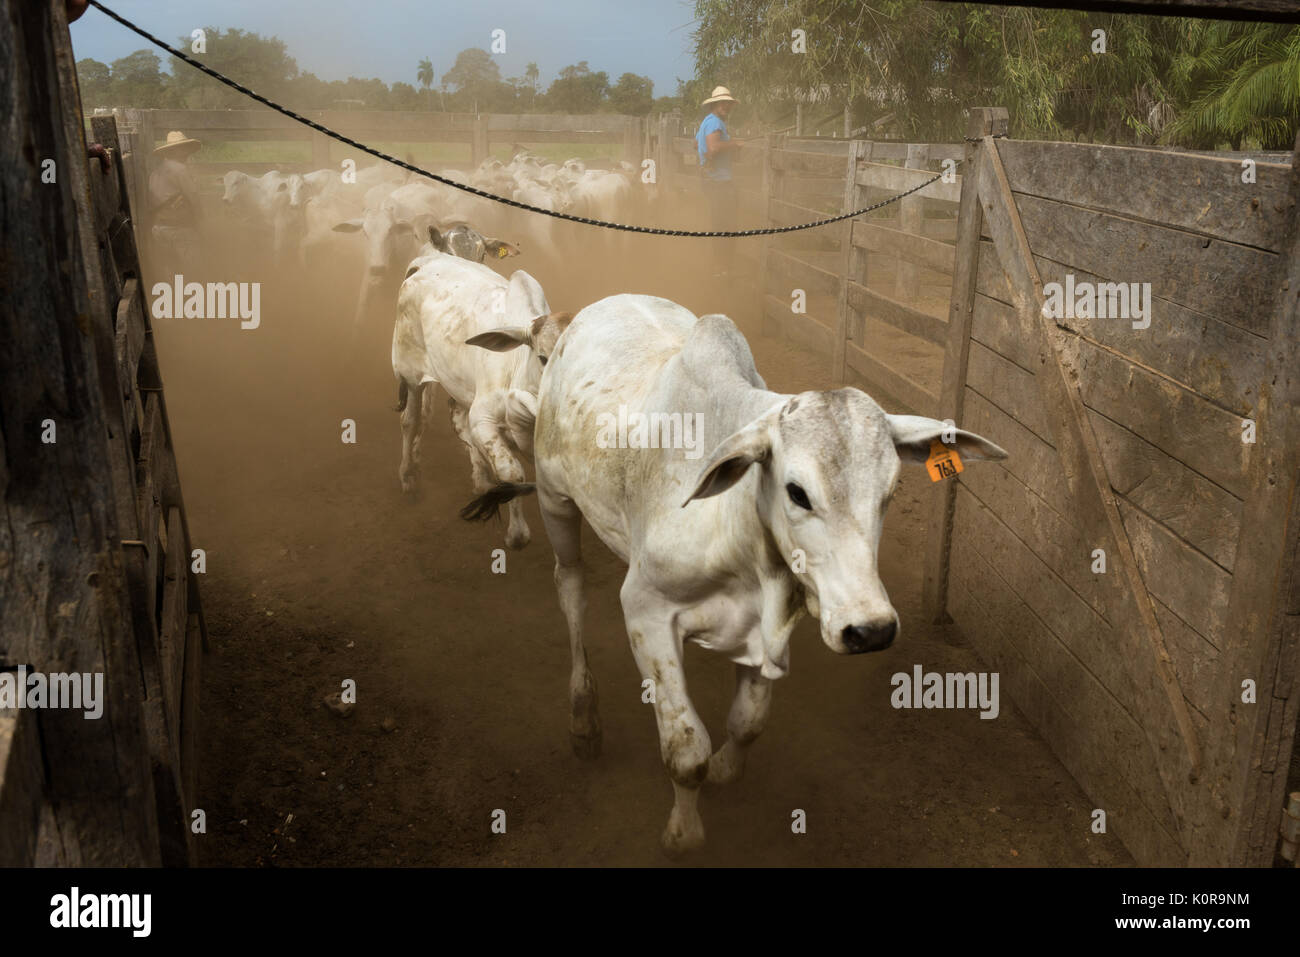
715, 147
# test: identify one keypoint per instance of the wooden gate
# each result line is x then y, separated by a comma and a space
95, 553
1129, 570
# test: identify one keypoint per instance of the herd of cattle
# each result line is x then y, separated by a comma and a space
782, 514
289, 217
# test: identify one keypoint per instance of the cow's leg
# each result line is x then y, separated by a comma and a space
486, 435
564, 529
748, 715
412, 420
683, 739
480, 471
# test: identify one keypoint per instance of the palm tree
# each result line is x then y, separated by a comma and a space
425, 74
532, 74
1241, 82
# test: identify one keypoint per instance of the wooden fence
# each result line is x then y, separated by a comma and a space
476, 135
1124, 442
95, 576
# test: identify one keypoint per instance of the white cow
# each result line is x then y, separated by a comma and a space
770, 505
446, 306
275, 205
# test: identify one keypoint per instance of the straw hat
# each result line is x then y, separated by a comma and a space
720, 95
177, 142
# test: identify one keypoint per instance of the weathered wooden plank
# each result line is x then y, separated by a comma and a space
880, 378
1219, 360
951, 398
1010, 388
1211, 276
22, 786
1160, 706
898, 151
1202, 513
813, 164
784, 213
1201, 194
129, 334
1082, 705
852, 266
1195, 660
804, 330
1188, 583
1170, 417
61, 588
786, 272
912, 321
1192, 507
896, 179
174, 621
909, 246
190, 716
1054, 539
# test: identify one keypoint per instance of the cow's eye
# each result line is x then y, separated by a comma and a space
542, 359
798, 496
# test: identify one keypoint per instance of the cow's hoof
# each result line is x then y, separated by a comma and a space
679, 838
409, 485
517, 540
587, 748
725, 766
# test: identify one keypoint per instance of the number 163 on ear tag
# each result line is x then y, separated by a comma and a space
943, 462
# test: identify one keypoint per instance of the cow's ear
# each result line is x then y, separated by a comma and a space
496, 249
913, 434
500, 340
436, 240
348, 226
733, 456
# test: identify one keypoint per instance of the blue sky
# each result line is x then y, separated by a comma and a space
386, 38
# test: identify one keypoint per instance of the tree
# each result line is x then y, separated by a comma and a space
424, 75
136, 80
476, 77
93, 79
632, 94
532, 75
1243, 83
578, 90
260, 63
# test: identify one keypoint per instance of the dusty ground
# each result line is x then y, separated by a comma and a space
319, 569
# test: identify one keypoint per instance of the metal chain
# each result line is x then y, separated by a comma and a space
379, 154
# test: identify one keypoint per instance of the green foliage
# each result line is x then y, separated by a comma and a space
577, 90
1189, 82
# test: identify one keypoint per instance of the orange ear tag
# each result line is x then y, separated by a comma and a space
943, 462
502, 252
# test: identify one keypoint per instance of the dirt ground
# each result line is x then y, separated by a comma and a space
319, 569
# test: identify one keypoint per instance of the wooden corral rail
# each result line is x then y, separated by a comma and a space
1125, 435
96, 577
480, 132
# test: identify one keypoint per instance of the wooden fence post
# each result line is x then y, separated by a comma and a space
911, 219
632, 151
1236, 822
984, 121
480, 144
320, 151
851, 262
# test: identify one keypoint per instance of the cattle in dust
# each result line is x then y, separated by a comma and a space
484, 339
780, 515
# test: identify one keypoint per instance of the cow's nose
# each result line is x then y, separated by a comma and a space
860, 638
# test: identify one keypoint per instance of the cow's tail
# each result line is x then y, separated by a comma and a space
489, 503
